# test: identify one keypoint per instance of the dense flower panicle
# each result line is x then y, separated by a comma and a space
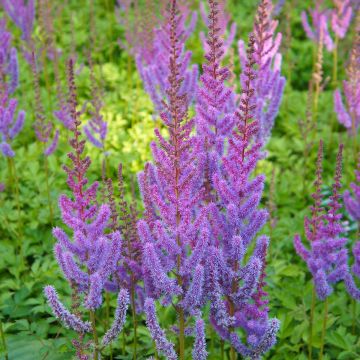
199, 351
268, 84
348, 113
91, 258
215, 103
22, 13
96, 127
320, 19
235, 286
327, 258
352, 203
154, 69
223, 19
10, 123
173, 232
341, 17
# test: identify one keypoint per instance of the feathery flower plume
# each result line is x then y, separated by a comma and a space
10, 124
349, 113
352, 203
91, 258
154, 69
341, 17
223, 20
22, 13
268, 84
327, 257
96, 127
173, 233
320, 19
234, 286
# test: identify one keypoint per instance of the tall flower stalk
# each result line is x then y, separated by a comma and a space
91, 258
173, 233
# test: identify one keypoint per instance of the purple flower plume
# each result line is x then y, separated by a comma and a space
173, 232
120, 317
163, 345
352, 203
235, 286
348, 112
268, 84
341, 17
327, 258
199, 351
22, 13
154, 69
89, 258
320, 19
59, 310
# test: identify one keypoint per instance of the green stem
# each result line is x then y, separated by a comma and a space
95, 336
353, 316
222, 350
311, 322
133, 310
335, 62
107, 319
46, 166
324, 329
2, 335
123, 343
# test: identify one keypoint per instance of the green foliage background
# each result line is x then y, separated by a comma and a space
31, 332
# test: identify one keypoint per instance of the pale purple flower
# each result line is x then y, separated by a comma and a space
341, 17
352, 202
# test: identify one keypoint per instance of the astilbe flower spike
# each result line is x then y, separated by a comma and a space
268, 84
154, 69
226, 35
352, 203
96, 128
22, 13
91, 258
320, 19
349, 113
10, 124
341, 17
174, 234
327, 257
234, 286
215, 103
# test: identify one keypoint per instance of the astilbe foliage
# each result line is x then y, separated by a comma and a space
327, 258
320, 19
173, 233
22, 13
154, 69
227, 35
91, 258
235, 286
10, 124
215, 103
268, 84
352, 203
348, 113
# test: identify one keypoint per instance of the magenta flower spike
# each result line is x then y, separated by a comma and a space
327, 258
154, 69
225, 32
268, 84
173, 233
352, 202
341, 17
22, 13
320, 19
10, 122
91, 258
348, 112
234, 286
